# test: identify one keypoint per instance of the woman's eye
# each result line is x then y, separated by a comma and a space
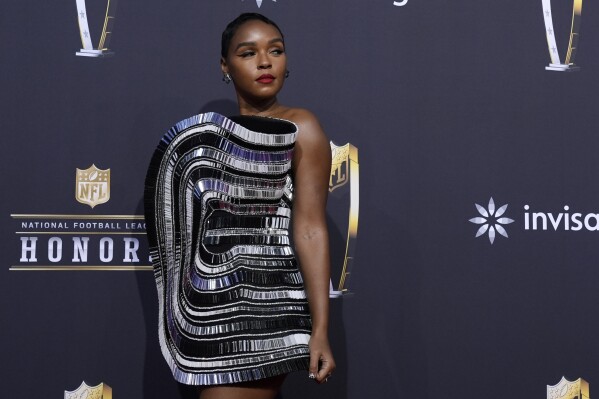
278, 51
246, 54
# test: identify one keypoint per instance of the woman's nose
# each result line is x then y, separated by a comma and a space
264, 62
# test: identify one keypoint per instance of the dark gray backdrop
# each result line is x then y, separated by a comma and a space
448, 103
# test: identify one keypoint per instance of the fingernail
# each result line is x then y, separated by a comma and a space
311, 376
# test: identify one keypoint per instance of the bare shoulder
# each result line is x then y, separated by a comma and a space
309, 128
301, 116
312, 153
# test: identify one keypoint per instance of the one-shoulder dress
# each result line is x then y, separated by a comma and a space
218, 196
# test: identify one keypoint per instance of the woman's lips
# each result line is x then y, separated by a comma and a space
267, 78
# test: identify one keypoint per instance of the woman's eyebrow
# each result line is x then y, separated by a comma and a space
242, 44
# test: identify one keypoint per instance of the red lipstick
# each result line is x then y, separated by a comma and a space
266, 78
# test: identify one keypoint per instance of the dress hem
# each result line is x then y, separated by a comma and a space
236, 377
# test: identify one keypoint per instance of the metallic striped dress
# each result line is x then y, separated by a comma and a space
232, 305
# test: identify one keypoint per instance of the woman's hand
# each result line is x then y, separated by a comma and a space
322, 363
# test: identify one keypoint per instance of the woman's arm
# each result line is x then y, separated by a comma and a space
312, 169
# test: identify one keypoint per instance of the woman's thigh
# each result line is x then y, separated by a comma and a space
266, 388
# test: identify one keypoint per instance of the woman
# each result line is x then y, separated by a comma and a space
234, 315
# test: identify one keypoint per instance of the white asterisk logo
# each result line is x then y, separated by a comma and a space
491, 220
259, 2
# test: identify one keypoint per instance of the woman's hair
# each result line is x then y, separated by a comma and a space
232, 27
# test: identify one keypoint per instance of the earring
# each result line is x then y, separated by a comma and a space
287, 73
227, 78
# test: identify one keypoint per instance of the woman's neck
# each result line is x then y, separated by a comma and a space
270, 107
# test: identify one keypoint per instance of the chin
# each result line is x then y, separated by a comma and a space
266, 92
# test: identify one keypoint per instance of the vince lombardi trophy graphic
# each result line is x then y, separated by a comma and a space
556, 62
102, 49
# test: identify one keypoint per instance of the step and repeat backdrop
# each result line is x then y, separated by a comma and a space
463, 206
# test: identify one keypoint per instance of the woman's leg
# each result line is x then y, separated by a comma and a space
262, 389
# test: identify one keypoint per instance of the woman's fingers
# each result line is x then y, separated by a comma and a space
324, 372
321, 367
313, 370
322, 363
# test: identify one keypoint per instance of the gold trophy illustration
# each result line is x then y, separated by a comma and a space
556, 61
102, 49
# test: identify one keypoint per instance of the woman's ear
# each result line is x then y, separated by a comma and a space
223, 65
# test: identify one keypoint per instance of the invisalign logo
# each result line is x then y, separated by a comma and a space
560, 221
491, 220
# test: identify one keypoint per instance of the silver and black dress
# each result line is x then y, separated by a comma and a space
218, 197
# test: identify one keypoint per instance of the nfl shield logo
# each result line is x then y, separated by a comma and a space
85, 391
92, 186
339, 166
565, 389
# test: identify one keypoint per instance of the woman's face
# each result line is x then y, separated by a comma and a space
256, 60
